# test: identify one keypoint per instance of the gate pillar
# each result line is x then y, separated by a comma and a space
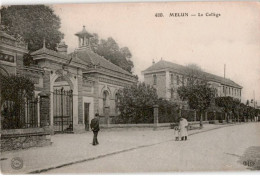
155, 115
44, 109
45, 112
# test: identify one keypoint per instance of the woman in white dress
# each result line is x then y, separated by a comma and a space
183, 128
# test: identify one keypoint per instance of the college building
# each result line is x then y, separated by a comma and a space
166, 77
71, 87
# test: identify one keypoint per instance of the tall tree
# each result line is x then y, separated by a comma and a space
194, 66
198, 96
110, 50
32, 23
194, 74
229, 104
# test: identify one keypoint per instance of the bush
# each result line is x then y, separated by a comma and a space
136, 104
168, 111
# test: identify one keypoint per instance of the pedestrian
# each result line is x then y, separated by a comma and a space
177, 133
183, 128
94, 125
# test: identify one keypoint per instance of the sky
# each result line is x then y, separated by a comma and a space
233, 38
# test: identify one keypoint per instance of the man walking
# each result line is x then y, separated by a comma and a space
94, 125
183, 128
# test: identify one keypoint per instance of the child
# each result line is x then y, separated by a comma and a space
177, 133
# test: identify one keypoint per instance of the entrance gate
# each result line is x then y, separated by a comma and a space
63, 111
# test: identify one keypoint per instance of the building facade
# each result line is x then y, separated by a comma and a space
72, 87
166, 77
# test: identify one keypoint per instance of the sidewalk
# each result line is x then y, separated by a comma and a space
69, 149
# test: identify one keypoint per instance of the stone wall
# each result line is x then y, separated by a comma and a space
16, 139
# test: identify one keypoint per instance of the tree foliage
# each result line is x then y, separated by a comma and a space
15, 91
110, 50
136, 103
15, 88
168, 111
32, 23
199, 97
227, 103
194, 74
194, 67
234, 106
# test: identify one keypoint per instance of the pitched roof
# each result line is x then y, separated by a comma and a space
59, 55
7, 35
86, 57
163, 65
49, 52
92, 58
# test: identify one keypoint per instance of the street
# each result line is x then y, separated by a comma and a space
224, 149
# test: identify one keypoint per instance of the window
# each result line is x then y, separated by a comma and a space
183, 80
105, 100
229, 90
172, 79
178, 80
216, 92
154, 79
172, 93
116, 103
226, 90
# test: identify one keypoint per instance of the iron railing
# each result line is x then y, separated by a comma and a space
20, 114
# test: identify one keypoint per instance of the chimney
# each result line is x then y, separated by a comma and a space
62, 48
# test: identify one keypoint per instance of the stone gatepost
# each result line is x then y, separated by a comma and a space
155, 116
206, 116
195, 115
45, 112
107, 111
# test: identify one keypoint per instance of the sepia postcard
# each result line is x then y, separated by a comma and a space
143, 87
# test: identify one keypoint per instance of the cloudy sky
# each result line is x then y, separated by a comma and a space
233, 38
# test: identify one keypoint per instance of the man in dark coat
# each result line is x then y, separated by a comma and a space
94, 125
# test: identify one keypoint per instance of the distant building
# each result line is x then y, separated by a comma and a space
166, 77
76, 85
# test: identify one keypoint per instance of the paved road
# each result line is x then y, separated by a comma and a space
223, 149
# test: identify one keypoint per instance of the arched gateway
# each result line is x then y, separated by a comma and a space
62, 105
71, 86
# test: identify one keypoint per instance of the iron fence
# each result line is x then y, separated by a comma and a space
20, 114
